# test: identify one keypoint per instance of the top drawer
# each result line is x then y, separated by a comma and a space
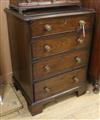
60, 24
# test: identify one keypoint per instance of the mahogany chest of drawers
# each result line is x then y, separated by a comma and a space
50, 53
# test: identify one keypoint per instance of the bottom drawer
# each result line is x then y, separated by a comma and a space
60, 83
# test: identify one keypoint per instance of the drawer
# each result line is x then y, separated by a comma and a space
57, 44
58, 84
53, 65
60, 24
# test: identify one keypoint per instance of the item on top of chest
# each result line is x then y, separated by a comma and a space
22, 5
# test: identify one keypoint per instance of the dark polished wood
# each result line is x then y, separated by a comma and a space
61, 24
59, 84
95, 57
47, 46
21, 53
53, 65
50, 64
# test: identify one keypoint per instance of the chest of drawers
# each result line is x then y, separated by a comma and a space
50, 53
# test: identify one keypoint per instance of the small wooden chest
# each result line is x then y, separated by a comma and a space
50, 51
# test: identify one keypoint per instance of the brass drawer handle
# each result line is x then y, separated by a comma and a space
80, 41
82, 26
78, 59
47, 90
75, 79
48, 27
47, 68
47, 48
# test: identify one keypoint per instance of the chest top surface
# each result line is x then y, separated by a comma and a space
48, 13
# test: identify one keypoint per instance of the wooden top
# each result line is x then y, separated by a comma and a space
48, 12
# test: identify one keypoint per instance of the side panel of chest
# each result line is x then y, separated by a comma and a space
19, 37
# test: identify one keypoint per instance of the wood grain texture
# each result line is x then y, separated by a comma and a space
20, 53
27, 71
57, 64
60, 24
47, 46
59, 84
95, 58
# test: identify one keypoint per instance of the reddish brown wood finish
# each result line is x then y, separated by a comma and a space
60, 24
57, 69
95, 58
19, 40
59, 84
57, 64
48, 46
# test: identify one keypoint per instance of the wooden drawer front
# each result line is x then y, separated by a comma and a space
58, 44
59, 84
53, 65
61, 24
